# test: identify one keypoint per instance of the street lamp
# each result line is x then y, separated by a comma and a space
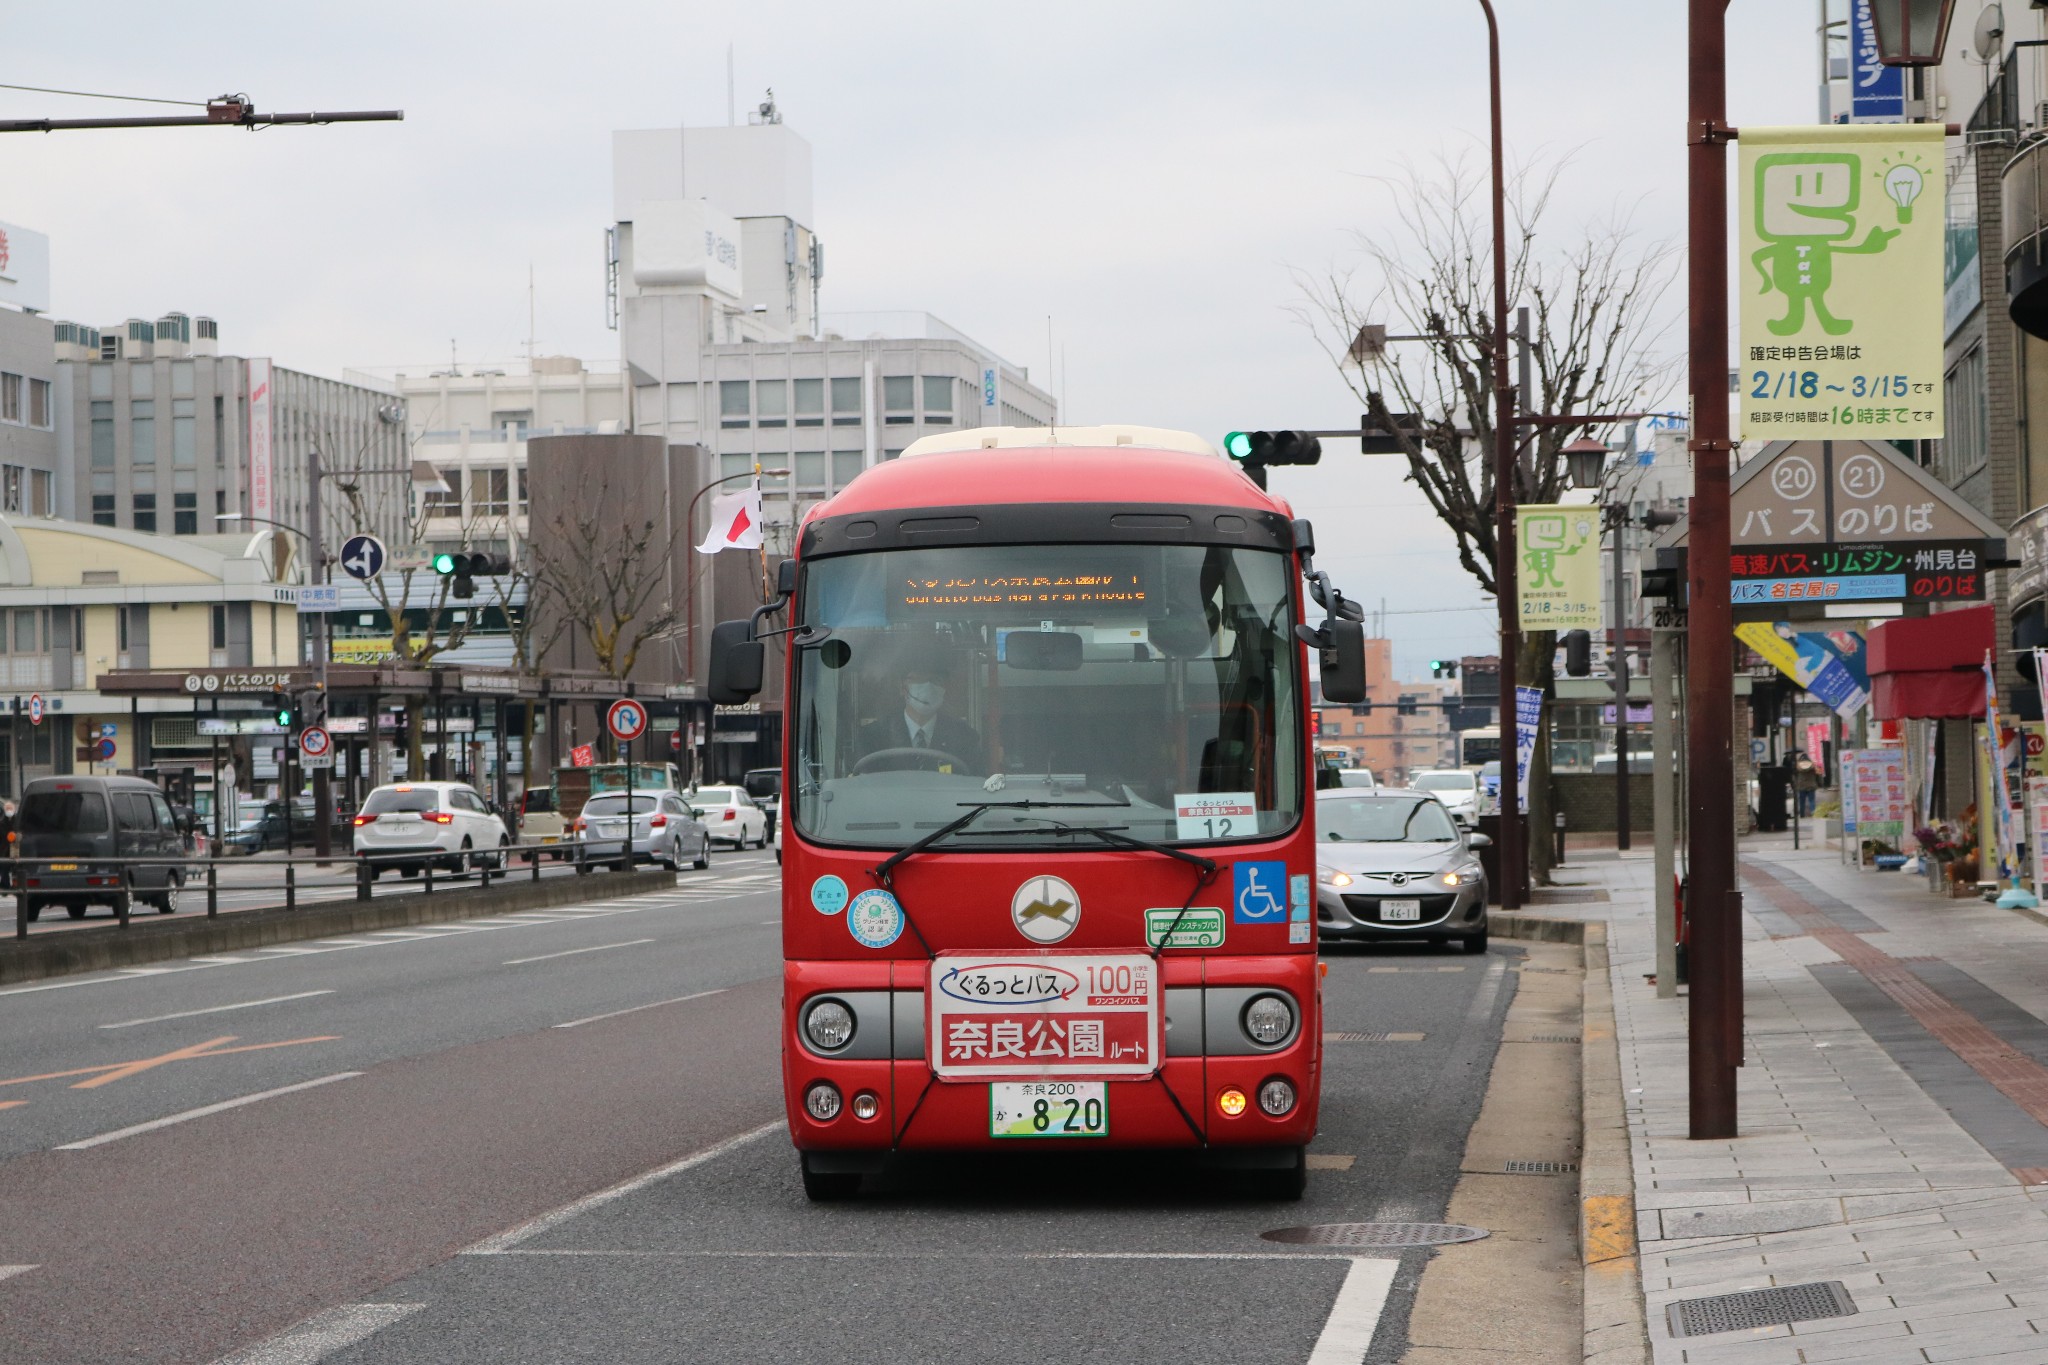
1911, 32
1584, 459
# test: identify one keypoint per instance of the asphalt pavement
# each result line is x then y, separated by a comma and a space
555, 1135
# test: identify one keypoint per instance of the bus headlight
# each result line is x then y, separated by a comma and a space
828, 1025
1268, 1019
822, 1101
1276, 1097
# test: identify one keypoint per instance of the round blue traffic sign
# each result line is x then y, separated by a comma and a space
362, 556
105, 749
627, 719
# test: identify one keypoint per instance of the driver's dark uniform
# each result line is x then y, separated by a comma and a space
947, 734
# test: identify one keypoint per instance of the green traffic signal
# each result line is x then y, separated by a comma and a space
284, 716
1238, 445
444, 563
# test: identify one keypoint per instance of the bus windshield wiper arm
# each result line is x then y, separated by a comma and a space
975, 810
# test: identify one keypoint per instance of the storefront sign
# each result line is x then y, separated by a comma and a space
1841, 249
1934, 571
1874, 795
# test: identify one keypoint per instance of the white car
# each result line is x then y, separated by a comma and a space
731, 816
406, 825
1455, 787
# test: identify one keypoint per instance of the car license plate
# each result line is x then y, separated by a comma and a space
63, 867
1400, 910
1048, 1109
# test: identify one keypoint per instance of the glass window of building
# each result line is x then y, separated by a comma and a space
771, 402
39, 404
100, 383
185, 514
845, 467
141, 379
10, 487
42, 489
445, 498
810, 471
730, 464
810, 402
938, 398
734, 406
102, 435
899, 399
846, 404
103, 509
514, 424
488, 491
184, 434
220, 625
142, 430
145, 511
220, 430
10, 398
181, 379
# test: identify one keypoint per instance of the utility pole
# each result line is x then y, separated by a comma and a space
323, 778
228, 111
1617, 657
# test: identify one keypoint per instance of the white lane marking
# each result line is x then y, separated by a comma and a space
534, 1227
8, 1272
322, 1335
635, 1009
1348, 1333
635, 1253
571, 952
217, 1009
201, 1112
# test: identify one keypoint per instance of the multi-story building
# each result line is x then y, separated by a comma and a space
28, 371
1401, 728
158, 432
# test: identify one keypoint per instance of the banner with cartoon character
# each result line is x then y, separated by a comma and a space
1840, 277
1559, 549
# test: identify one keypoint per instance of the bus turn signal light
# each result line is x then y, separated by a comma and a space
1231, 1102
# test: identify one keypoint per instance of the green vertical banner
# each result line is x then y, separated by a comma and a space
1840, 278
1560, 572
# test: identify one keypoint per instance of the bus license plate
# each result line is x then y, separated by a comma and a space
1400, 910
1048, 1109
63, 867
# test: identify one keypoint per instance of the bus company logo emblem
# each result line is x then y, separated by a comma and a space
1045, 909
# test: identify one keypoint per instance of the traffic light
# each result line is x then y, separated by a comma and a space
1578, 653
1443, 668
465, 568
1257, 451
281, 708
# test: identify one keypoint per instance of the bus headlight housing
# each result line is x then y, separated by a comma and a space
822, 1101
828, 1025
1268, 1019
1276, 1097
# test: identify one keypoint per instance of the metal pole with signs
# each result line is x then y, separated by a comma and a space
627, 720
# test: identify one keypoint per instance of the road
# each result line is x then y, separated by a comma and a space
411, 1102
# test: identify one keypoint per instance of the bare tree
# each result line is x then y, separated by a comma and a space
1596, 327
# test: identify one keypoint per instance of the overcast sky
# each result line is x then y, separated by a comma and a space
1147, 175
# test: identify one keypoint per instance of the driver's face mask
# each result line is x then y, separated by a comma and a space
927, 696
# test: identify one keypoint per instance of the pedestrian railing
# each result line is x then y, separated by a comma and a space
38, 884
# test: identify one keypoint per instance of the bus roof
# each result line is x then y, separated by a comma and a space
1021, 465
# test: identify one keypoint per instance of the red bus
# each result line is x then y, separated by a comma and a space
1048, 860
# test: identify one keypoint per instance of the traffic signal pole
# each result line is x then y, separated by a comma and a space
323, 778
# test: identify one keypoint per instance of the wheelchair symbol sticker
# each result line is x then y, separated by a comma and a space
1259, 893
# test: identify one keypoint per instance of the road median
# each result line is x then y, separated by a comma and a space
161, 940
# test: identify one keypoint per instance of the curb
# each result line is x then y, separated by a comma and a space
95, 950
1616, 1328
1541, 928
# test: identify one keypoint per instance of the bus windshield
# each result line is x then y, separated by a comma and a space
1150, 689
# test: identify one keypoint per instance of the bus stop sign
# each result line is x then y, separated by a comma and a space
627, 720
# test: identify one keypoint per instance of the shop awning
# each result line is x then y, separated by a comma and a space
1930, 667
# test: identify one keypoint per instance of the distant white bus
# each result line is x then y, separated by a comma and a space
1476, 748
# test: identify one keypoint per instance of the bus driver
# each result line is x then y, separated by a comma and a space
923, 723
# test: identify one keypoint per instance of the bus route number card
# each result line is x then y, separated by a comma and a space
1043, 1015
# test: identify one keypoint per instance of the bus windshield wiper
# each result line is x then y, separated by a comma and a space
1115, 837
975, 810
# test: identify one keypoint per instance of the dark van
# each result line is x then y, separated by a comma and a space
77, 822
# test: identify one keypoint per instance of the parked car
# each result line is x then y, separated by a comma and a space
81, 820
1356, 777
260, 826
765, 786
409, 824
732, 816
665, 829
541, 822
1393, 864
1457, 788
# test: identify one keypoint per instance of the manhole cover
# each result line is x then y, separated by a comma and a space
1376, 1234
1759, 1308
1539, 1167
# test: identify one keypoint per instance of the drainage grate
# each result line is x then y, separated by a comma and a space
1540, 1167
1376, 1234
1548, 971
1759, 1308
1354, 1037
1554, 1038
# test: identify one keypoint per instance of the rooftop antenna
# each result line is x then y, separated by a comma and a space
529, 317
453, 366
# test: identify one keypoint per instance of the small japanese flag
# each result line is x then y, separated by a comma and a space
735, 522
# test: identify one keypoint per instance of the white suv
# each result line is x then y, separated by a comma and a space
1457, 788
406, 824
731, 816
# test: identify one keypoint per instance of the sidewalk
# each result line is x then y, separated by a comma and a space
1893, 1111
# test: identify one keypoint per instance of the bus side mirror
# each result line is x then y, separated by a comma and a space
1343, 660
785, 578
736, 663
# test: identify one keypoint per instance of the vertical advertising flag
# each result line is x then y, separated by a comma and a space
1528, 719
1877, 93
1839, 271
262, 434
2001, 784
1560, 571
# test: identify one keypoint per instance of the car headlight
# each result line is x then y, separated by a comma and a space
829, 1025
1330, 876
1268, 1019
1451, 879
